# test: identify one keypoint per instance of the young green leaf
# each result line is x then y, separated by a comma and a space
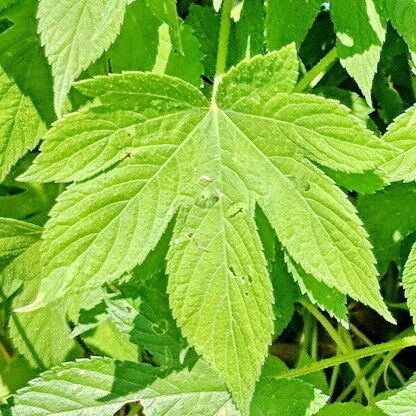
102, 386
400, 404
14, 375
254, 132
6, 3
75, 34
20, 124
361, 31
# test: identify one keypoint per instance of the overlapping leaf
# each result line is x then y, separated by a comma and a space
359, 39
16, 237
102, 386
402, 135
409, 283
20, 124
253, 143
289, 21
23, 58
403, 403
75, 34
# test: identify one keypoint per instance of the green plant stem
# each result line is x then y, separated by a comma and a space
382, 368
318, 70
370, 366
393, 366
341, 344
223, 37
395, 345
4, 354
403, 305
333, 382
134, 409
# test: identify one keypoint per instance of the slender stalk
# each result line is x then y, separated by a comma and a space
393, 366
223, 37
403, 305
318, 70
382, 368
4, 354
395, 345
370, 366
341, 344
334, 378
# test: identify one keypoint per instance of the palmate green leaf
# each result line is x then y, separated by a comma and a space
16, 237
23, 59
102, 386
402, 135
403, 403
75, 34
20, 124
361, 31
289, 20
144, 130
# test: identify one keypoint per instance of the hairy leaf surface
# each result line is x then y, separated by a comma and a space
402, 135
403, 403
16, 236
102, 386
20, 124
75, 34
142, 132
23, 58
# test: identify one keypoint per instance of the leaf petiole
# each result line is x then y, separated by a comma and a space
395, 345
318, 71
223, 37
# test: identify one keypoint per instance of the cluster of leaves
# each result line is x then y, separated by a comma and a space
185, 186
